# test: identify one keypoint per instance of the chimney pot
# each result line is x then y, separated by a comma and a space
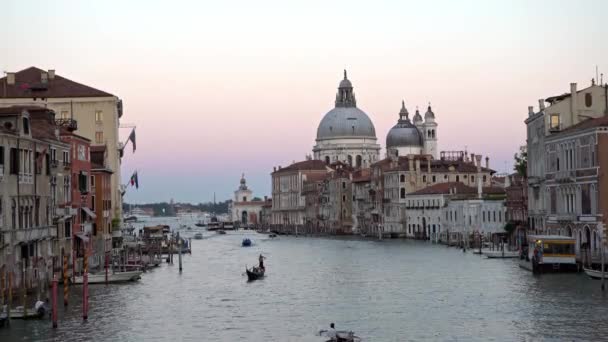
473, 158
51, 74
572, 88
530, 110
541, 104
487, 162
10, 78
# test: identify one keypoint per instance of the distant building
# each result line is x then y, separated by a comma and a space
101, 202
288, 200
244, 209
516, 204
336, 200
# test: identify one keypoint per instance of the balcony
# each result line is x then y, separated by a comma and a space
565, 217
69, 124
565, 176
37, 233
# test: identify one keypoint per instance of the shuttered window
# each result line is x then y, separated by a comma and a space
14, 161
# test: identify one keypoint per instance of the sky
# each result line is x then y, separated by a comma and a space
221, 88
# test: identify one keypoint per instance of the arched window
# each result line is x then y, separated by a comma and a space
358, 160
402, 192
350, 160
402, 178
588, 100
429, 134
457, 178
327, 161
424, 179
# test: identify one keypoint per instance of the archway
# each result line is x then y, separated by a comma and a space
350, 160
358, 160
244, 217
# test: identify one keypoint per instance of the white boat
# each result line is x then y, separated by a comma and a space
116, 277
595, 274
501, 254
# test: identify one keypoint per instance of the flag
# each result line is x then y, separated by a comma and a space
132, 138
134, 181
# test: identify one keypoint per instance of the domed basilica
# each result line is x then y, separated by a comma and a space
348, 135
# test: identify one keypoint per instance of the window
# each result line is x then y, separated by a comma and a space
434, 179
484, 178
350, 160
457, 178
588, 100
244, 198
14, 161
494, 215
554, 122
83, 186
424, 179
26, 126
93, 203
98, 116
82, 152
358, 160
402, 178
402, 192
327, 161
64, 115
343, 185
484, 216
66, 158
2, 158
472, 179
99, 137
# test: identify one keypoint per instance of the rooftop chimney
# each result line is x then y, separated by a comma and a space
530, 110
10, 78
573, 103
487, 162
473, 158
541, 104
274, 169
51, 74
479, 186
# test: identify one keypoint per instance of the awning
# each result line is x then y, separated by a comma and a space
89, 212
82, 236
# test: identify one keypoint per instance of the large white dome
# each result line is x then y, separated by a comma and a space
346, 122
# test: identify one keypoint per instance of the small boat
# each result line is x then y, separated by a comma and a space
342, 336
31, 313
595, 274
500, 254
198, 236
246, 242
116, 277
221, 232
189, 228
272, 235
200, 224
255, 273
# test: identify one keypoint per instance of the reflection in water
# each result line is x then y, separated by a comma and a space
391, 290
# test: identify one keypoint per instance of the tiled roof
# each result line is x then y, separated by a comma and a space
589, 123
308, 165
28, 84
460, 188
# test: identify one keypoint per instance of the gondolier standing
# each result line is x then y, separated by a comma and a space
261, 259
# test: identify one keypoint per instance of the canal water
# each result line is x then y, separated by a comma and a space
390, 290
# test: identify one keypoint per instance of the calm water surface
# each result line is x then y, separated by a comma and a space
389, 290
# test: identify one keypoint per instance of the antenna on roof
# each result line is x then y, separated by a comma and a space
596, 71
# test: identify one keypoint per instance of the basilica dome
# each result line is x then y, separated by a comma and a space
404, 133
346, 120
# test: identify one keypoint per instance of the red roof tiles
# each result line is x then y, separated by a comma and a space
28, 83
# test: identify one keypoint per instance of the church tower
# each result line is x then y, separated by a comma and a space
429, 129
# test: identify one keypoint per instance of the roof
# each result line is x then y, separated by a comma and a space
28, 83
460, 188
363, 175
437, 165
13, 110
589, 123
306, 165
346, 122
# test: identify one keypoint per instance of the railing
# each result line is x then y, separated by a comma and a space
70, 124
565, 176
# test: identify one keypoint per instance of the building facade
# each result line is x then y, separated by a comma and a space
96, 112
244, 209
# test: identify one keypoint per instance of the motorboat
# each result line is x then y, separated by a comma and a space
246, 242
595, 274
221, 232
113, 277
198, 236
502, 254
273, 235
341, 336
255, 273
549, 253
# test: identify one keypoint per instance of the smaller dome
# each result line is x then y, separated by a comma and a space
404, 134
429, 114
345, 83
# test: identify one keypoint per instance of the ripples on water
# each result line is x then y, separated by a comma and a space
391, 290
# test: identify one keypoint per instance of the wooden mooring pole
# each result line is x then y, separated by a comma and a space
54, 303
65, 280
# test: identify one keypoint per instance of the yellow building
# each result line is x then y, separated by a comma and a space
96, 112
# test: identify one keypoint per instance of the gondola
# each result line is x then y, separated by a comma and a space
255, 273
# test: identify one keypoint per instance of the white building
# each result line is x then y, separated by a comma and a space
346, 133
244, 208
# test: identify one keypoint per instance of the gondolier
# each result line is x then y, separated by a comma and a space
261, 258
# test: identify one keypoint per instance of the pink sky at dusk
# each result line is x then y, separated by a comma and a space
217, 89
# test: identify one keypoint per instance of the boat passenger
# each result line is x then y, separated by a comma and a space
331, 333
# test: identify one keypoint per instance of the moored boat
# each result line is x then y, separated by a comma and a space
116, 277
246, 242
198, 236
341, 336
221, 232
500, 254
549, 254
595, 274
255, 273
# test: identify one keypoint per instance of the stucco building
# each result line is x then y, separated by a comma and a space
96, 112
244, 209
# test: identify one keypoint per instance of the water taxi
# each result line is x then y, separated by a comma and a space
549, 253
